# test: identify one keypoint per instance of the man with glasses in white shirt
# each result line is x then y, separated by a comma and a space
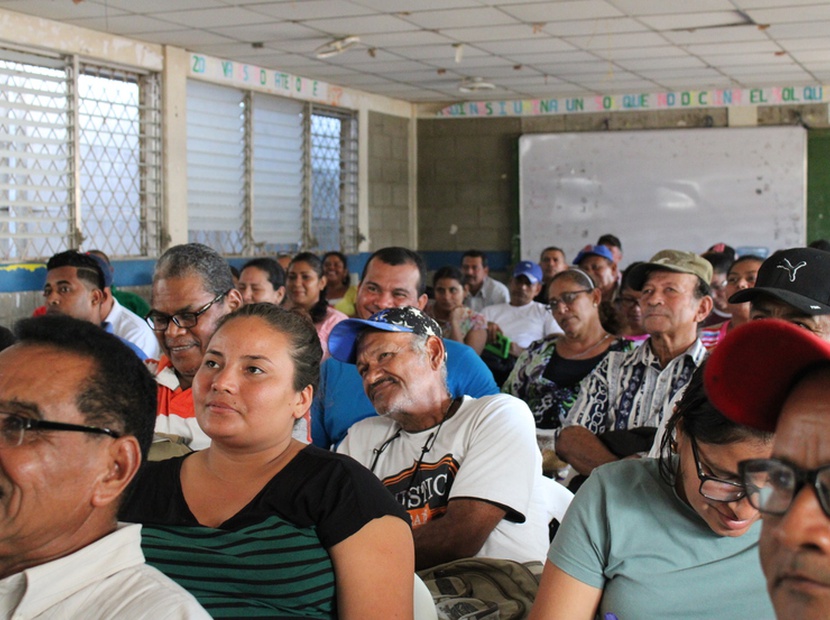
76, 422
773, 375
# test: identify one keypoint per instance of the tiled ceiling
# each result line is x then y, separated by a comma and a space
420, 50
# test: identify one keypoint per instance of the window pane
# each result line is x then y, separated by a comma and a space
35, 212
120, 192
277, 173
216, 166
333, 181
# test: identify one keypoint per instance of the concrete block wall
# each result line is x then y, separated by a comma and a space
468, 168
467, 183
389, 220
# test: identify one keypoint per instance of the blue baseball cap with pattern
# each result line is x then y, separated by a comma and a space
343, 338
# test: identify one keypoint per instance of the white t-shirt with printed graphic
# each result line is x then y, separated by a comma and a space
486, 451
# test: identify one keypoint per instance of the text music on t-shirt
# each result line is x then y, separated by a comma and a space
423, 489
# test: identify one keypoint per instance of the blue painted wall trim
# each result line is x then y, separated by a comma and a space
22, 277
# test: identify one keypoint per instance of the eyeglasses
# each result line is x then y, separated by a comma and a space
716, 489
159, 321
567, 299
13, 428
772, 484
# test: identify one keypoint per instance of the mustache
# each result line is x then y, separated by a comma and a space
376, 384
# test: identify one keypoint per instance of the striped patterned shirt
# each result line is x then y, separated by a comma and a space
271, 559
629, 389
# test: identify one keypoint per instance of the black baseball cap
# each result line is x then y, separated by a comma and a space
799, 277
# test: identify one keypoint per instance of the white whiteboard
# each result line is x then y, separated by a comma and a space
683, 189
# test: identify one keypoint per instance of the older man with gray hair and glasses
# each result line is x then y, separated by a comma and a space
192, 290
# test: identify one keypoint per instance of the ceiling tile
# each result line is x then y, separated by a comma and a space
561, 11
188, 39
800, 30
715, 35
596, 27
153, 6
534, 45
735, 60
693, 20
60, 10
675, 62
767, 4
553, 57
747, 47
579, 69
440, 52
408, 6
704, 84
419, 38
390, 68
663, 7
310, 9
744, 71
278, 32
659, 51
815, 43
361, 25
461, 18
612, 41
127, 24
783, 15
812, 55
491, 33
210, 18
687, 74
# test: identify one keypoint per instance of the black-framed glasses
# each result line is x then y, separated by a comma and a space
158, 321
13, 428
772, 484
716, 489
567, 298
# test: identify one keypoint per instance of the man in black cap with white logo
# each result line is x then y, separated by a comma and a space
792, 285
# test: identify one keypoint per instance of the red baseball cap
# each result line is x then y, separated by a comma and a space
752, 370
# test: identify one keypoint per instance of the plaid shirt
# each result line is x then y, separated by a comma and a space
630, 389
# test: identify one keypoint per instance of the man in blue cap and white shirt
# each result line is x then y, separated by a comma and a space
467, 470
522, 320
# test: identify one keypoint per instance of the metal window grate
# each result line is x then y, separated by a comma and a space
333, 180
36, 217
80, 158
119, 130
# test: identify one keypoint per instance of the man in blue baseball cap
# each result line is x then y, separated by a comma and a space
598, 262
467, 470
522, 320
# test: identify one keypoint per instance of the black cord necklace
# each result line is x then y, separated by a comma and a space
428, 444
